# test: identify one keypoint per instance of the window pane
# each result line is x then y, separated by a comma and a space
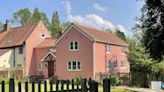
74, 65
123, 63
123, 49
109, 64
107, 48
115, 64
76, 45
69, 65
71, 45
20, 49
78, 65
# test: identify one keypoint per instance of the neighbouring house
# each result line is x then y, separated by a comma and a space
19, 48
85, 52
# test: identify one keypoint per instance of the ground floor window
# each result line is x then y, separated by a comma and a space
74, 66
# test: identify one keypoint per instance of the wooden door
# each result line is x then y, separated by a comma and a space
50, 68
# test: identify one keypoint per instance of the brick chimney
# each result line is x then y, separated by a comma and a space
7, 26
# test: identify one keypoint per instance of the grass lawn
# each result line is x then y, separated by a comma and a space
48, 88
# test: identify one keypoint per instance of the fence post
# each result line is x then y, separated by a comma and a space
84, 85
26, 86
11, 85
106, 85
57, 83
33, 86
19, 87
3, 86
67, 85
45, 86
62, 86
94, 86
77, 84
51, 86
39, 86
73, 89
89, 83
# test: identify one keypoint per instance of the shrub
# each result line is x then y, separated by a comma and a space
115, 80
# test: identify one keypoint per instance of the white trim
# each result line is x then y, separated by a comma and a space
41, 35
73, 44
94, 74
90, 38
49, 52
70, 70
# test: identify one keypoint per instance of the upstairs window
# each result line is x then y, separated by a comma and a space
74, 46
116, 64
73, 66
107, 48
42, 36
123, 50
20, 50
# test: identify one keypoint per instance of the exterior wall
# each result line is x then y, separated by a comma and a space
39, 53
7, 59
115, 54
84, 55
33, 40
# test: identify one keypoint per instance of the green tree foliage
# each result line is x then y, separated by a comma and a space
44, 18
120, 34
36, 17
65, 25
1, 26
22, 16
151, 23
55, 27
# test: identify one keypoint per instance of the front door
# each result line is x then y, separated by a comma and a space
50, 68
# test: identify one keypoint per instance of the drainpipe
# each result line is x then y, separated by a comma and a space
94, 74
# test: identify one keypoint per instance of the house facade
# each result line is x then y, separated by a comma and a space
85, 52
17, 48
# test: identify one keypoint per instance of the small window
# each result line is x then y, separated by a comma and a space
123, 64
42, 35
21, 50
123, 50
109, 64
107, 48
40, 67
74, 66
115, 64
74, 46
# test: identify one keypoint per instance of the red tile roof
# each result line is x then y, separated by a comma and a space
48, 42
15, 36
102, 36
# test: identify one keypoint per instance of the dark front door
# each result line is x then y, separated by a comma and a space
50, 68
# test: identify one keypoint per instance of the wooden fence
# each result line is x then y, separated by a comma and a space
81, 86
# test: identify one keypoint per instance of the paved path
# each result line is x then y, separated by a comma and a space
140, 89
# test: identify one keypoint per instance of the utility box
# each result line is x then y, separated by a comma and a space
156, 85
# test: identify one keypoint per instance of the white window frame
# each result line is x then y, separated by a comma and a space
72, 66
73, 46
123, 50
42, 36
40, 67
107, 48
20, 49
122, 63
109, 64
117, 64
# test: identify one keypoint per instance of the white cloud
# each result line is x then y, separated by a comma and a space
91, 20
98, 7
67, 6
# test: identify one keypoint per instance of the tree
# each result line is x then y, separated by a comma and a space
54, 26
151, 23
22, 16
120, 34
1, 26
65, 25
44, 18
36, 17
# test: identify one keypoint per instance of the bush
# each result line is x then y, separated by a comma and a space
115, 80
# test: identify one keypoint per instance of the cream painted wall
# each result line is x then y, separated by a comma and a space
6, 60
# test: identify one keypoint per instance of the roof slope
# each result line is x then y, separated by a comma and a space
48, 42
16, 36
102, 36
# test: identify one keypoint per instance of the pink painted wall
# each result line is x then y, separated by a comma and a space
39, 54
33, 40
115, 54
84, 55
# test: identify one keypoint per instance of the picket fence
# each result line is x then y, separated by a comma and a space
83, 85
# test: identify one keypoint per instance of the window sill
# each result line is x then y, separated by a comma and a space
107, 52
74, 70
74, 50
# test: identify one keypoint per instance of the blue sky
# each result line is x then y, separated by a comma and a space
96, 13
